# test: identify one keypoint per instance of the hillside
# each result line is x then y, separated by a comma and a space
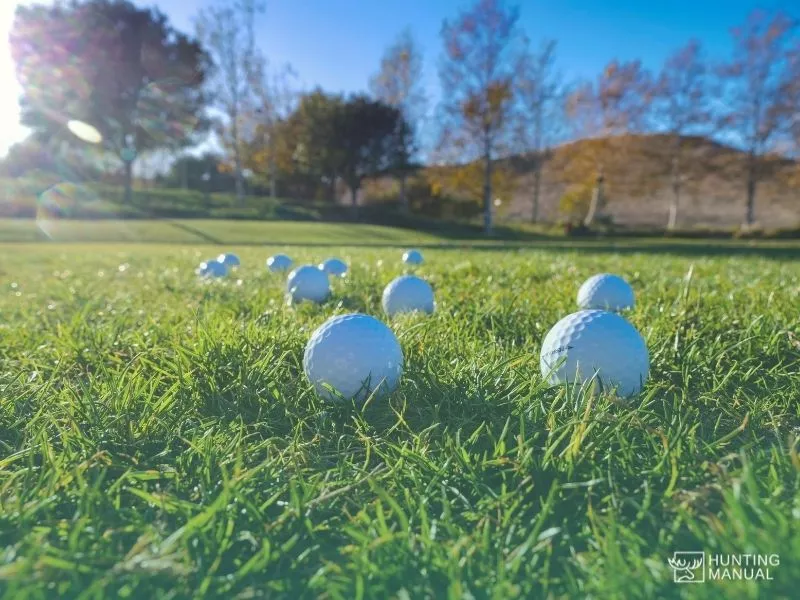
639, 192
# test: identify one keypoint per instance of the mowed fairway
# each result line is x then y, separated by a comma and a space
158, 438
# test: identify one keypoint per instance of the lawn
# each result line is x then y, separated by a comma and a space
158, 438
208, 231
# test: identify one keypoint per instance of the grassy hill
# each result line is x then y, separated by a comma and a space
638, 184
639, 195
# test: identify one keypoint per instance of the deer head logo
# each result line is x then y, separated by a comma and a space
687, 567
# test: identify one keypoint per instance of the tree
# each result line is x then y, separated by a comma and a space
328, 138
481, 47
200, 173
308, 143
56, 159
227, 29
275, 100
539, 91
466, 181
681, 107
367, 131
606, 112
119, 72
399, 84
791, 94
756, 113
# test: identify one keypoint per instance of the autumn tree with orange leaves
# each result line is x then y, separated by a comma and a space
398, 83
540, 93
605, 112
681, 107
477, 73
758, 108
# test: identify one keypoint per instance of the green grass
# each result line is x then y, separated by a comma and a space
158, 438
299, 233
208, 231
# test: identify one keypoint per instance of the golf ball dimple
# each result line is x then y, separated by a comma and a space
408, 293
334, 267
231, 261
307, 282
412, 257
607, 292
355, 355
591, 342
279, 263
212, 269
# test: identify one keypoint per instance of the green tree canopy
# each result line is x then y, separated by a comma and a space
374, 140
121, 72
328, 138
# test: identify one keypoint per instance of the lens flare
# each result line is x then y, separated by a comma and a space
59, 202
84, 131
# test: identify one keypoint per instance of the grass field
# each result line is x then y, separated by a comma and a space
158, 438
200, 231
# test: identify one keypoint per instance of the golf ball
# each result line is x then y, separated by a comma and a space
278, 263
334, 267
211, 269
408, 294
307, 282
231, 261
355, 355
591, 342
412, 257
606, 291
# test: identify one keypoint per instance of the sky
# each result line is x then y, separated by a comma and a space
337, 44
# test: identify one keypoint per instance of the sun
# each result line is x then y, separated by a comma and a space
11, 131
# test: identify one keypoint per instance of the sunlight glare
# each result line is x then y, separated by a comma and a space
11, 131
85, 132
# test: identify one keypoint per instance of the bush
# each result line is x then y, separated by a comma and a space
574, 204
423, 200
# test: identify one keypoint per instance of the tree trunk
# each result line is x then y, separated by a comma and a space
332, 190
128, 182
487, 187
354, 199
184, 173
596, 203
273, 184
537, 171
237, 154
752, 182
537, 189
239, 177
672, 221
403, 197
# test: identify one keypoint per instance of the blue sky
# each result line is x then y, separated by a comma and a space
337, 44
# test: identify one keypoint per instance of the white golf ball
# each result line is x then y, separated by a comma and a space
596, 341
231, 261
211, 269
412, 257
307, 282
607, 292
334, 267
408, 293
355, 355
279, 263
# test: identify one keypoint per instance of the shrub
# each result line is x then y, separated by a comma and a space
574, 204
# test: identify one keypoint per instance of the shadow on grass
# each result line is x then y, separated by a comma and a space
606, 247
194, 231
